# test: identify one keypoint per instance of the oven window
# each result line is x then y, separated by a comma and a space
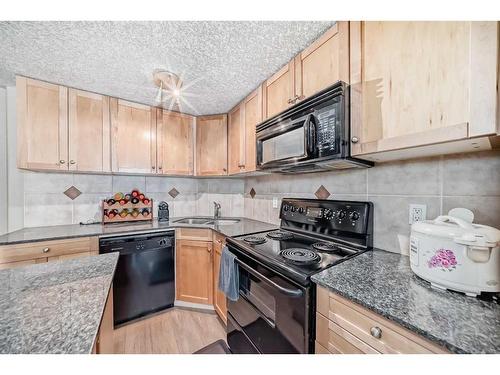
284, 146
258, 294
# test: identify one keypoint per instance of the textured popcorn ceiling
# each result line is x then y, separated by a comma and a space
221, 62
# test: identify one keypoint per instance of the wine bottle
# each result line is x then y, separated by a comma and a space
127, 197
135, 200
141, 196
122, 202
135, 193
146, 201
112, 213
118, 196
135, 212
111, 202
124, 212
145, 212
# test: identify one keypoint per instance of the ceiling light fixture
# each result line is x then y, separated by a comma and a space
168, 82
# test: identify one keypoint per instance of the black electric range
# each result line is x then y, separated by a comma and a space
276, 306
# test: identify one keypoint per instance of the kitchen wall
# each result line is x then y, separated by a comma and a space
3, 160
467, 180
46, 204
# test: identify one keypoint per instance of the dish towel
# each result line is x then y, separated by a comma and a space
229, 275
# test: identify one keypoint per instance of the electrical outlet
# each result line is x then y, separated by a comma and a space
417, 212
275, 202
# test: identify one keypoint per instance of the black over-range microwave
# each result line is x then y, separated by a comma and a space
311, 136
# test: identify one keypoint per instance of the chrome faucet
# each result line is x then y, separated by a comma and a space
216, 210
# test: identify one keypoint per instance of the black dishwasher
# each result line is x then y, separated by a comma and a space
144, 280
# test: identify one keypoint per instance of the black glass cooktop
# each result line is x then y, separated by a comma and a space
298, 255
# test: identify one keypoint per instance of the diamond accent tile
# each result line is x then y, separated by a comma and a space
173, 192
252, 192
322, 193
72, 193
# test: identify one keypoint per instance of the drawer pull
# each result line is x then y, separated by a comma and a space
46, 249
376, 332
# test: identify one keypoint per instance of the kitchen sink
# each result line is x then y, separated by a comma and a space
206, 221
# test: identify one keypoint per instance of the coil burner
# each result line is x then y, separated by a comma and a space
254, 240
301, 257
279, 235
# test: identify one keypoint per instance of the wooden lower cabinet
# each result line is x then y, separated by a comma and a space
343, 327
105, 340
39, 252
220, 305
193, 269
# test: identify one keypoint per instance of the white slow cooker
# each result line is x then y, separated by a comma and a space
452, 253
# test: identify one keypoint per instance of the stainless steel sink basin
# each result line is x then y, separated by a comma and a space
194, 220
206, 221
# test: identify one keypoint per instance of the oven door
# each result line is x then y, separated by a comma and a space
287, 142
271, 312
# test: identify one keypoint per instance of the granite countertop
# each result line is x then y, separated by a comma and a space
54, 307
384, 283
244, 226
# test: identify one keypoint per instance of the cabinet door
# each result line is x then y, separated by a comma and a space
194, 271
219, 297
174, 143
42, 125
133, 142
279, 90
89, 132
421, 83
324, 62
235, 140
252, 113
211, 145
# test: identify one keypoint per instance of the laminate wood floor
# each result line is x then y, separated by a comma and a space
177, 331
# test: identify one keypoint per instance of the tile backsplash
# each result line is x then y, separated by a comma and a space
442, 183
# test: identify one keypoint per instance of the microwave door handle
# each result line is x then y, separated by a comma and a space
310, 130
286, 291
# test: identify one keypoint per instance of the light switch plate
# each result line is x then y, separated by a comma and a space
417, 212
275, 202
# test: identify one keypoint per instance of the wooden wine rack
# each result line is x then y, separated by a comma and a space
129, 217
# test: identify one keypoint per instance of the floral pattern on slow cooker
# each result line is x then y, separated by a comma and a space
443, 259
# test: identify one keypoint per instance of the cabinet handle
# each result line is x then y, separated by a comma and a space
153, 167
291, 101
302, 97
72, 162
376, 332
160, 168
209, 248
219, 242
354, 139
241, 165
62, 161
46, 250
224, 169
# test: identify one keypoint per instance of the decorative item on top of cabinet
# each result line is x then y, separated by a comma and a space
133, 140
433, 84
211, 145
42, 125
89, 132
175, 149
323, 63
219, 297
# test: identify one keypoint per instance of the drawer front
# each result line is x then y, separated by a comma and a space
320, 349
337, 340
36, 250
374, 332
194, 234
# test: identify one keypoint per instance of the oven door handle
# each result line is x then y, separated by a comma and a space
286, 291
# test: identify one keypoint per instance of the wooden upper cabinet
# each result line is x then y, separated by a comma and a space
235, 140
42, 125
133, 142
421, 83
279, 91
194, 271
211, 145
324, 62
252, 108
89, 132
175, 143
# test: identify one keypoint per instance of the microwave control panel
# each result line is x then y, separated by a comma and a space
327, 123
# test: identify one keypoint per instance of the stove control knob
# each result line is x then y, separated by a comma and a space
342, 214
293, 209
286, 207
354, 216
328, 214
301, 210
